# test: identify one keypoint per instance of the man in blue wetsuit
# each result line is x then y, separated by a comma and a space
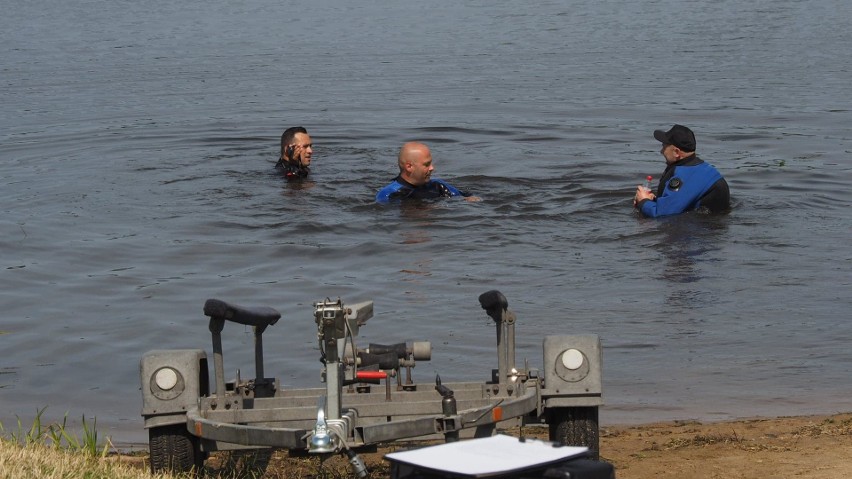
687, 184
296, 151
415, 178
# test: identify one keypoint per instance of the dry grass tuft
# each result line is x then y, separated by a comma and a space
45, 462
828, 427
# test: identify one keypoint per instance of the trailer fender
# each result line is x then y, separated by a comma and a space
572, 371
171, 383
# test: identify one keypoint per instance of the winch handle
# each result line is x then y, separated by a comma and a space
494, 303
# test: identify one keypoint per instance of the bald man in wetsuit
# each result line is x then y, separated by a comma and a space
415, 178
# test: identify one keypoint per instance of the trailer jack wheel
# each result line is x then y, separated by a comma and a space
575, 426
174, 449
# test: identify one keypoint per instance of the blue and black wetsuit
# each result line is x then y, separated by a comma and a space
292, 170
688, 184
400, 189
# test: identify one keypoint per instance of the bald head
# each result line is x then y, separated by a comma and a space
415, 163
412, 151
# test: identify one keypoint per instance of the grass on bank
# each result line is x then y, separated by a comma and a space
58, 435
53, 451
19, 461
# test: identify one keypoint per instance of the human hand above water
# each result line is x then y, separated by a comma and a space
643, 193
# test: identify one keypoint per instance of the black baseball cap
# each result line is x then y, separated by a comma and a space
679, 136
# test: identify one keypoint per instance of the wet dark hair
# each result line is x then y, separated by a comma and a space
289, 135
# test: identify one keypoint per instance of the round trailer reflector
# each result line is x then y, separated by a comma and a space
166, 378
572, 359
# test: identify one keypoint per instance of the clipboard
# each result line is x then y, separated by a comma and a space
482, 458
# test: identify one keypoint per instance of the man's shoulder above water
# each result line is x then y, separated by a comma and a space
400, 189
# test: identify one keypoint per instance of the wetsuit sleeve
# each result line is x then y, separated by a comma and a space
682, 191
450, 189
385, 194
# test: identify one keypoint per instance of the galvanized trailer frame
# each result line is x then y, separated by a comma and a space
366, 400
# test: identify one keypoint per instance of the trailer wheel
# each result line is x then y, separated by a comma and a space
575, 426
174, 449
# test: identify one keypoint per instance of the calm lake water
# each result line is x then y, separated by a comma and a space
136, 148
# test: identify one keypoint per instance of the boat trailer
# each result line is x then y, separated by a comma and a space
369, 395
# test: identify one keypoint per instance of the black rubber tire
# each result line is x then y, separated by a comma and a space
575, 426
173, 449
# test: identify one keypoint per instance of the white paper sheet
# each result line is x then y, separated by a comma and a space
486, 456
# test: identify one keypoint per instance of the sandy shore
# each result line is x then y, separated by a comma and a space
803, 447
